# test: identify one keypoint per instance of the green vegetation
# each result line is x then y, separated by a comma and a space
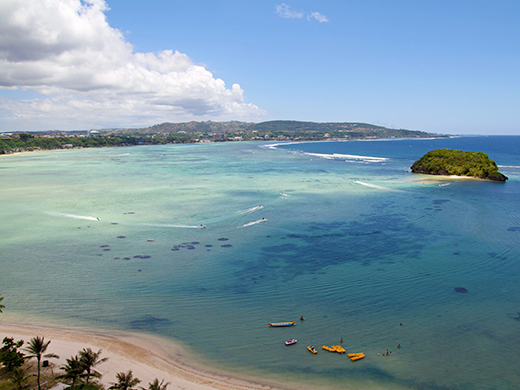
36, 349
125, 381
458, 163
191, 132
89, 359
10, 356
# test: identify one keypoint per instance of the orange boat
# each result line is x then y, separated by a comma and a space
356, 356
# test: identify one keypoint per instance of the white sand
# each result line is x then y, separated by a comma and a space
146, 356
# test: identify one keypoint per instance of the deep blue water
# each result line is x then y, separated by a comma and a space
351, 240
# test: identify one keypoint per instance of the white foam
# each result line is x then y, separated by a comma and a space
56, 214
375, 186
255, 222
252, 209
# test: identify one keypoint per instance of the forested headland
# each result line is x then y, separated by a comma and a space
193, 132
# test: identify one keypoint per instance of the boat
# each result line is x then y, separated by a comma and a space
278, 324
356, 356
291, 342
338, 349
151, 239
312, 349
334, 348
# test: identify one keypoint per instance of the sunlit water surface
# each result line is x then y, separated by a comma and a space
338, 232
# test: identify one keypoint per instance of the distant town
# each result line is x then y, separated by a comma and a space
200, 132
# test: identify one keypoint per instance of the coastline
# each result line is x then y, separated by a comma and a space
148, 357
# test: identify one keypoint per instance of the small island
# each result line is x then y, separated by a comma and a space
451, 162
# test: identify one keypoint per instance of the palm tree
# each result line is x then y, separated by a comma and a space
1, 306
37, 348
89, 359
74, 369
125, 381
155, 385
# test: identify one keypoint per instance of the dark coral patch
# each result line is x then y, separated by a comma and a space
460, 290
223, 239
226, 246
149, 322
121, 236
514, 229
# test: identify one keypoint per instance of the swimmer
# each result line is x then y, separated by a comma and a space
98, 219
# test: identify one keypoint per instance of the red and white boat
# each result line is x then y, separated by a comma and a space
291, 342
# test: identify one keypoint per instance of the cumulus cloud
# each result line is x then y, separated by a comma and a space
66, 51
286, 11
317, 16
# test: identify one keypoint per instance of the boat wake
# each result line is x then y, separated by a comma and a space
249, 211
255, 222
56, 214
375, 186
166, 225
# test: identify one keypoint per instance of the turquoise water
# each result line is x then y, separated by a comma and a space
356, 244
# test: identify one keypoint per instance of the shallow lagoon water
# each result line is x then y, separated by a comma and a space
357, 245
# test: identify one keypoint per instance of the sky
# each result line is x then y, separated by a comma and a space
443, 66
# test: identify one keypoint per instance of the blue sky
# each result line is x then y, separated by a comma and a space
438, 66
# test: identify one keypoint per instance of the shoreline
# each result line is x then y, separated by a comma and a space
148, 357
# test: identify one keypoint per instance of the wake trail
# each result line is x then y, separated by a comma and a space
250, 210
376, 186
255, 222
56, 214
166, 225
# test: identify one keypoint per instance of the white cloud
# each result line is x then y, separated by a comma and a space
319, 17
88, 73
286, 11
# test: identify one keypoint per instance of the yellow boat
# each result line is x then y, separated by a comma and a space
338, 349
356, 356
312, 349
334, 348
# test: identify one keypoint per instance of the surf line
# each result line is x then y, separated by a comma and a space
56, 214
255, 222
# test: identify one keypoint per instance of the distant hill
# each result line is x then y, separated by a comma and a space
276, 129
193, 132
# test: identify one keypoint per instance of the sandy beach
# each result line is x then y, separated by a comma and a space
148, 357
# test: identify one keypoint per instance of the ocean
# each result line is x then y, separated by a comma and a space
205, 244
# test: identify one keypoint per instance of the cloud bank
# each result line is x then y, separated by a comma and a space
286, 11
86, 73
